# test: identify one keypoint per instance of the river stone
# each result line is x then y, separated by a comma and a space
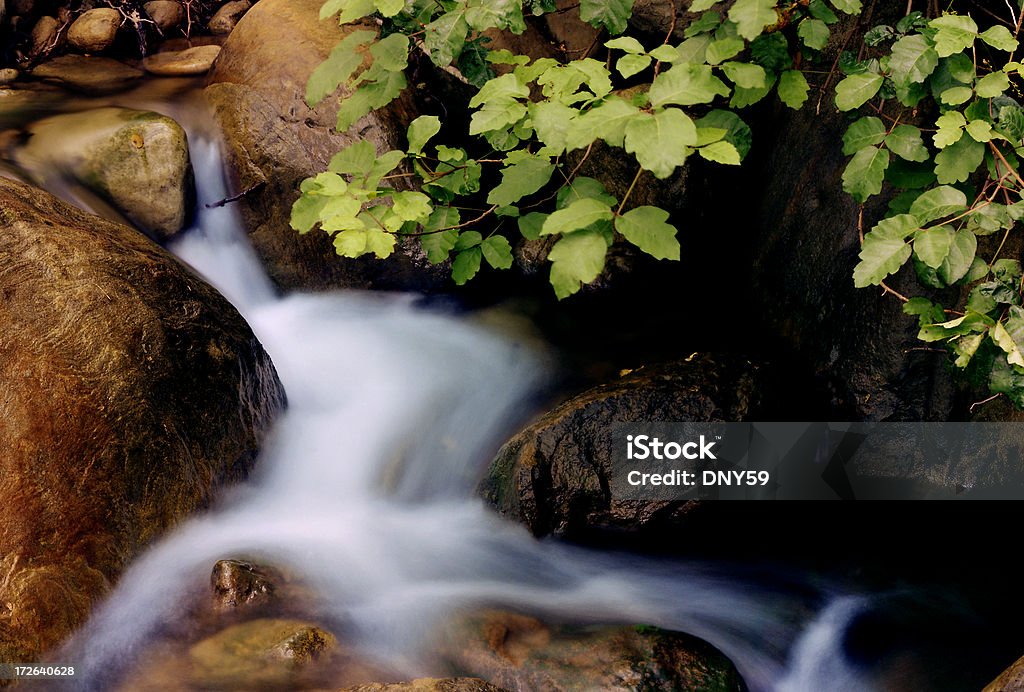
554, 475
136, 160
8, 75
166, 14
190, 61
428, 685
89, 75
523, 653
94, 30
225, 19
238, 583
1012, 679
273, 140
45, 36
130, 392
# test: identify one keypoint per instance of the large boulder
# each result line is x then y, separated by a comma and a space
130, 392
274, 140
554, 476
94, 30
137, 161
519, 652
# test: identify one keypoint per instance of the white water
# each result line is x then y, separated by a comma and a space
366, 489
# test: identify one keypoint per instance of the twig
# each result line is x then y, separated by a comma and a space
625, 197
983, 402
448, 228
887, 289
234, 198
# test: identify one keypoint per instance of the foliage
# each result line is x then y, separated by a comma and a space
464, 195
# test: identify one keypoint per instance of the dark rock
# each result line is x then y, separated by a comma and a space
554, 475
45, 36
273, 141
88, 75
236, 583
519, 652
130, 392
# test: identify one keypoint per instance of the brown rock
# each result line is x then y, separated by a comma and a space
273, 141
89, 75
8, 75
166, 14
429, 685
130, 392
225, 19
1012, 679
45, 36
190, 61
236, 583
94, 30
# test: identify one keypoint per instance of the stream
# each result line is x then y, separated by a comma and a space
366, 490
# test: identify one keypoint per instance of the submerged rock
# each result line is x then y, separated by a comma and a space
236, 583
94, 30
190, 61
130, 392
273, 140
89, 75
520, 652
137, 161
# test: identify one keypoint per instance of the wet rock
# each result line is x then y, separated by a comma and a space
236, 583
428, 685
8, 75
130, 393
94, 30
190, 61
519, 652
554, 475
273, 140
88, 75
45, 36
1012, 679
225, 19
166, 14
136, 160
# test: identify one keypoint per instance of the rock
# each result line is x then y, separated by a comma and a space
225, 19
45, 36
554, 475
166, 14
273, 141
94, 76
428, 685
94, 30
22, 7
8, 75
1012, 679
136, 160
236, 583
185, 62
130, 392
519, 652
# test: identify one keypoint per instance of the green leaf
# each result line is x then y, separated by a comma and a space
496, 14
701, 5
752, 16
720, 152
665, 53
884, 251
723, 49
1007, 271
819, 10
344, 59
745, 74
938, 203
864, 174
737, 132
389, 8
627, 44
912, 60
741, 97
384, 164
950, 128
709, 135
421, 130
613, 15
306, 212
646, 228
579, 214
814, 33
466, 265
370, 96
931, 245
1008, 380
955, 34
443, 38
468, 239
530, 225
340, 213
958, 262
437, 245
771, 51
847, 6
686, 84
1006, 342
965, 347
391, 53
355, 159
629, 65
905, 141
661, 142
553, 124
864, 132
854, 91
1000, 38
955, 163
521, 179
411, 206
957, 95
793, 88
350, 243
992, 85
497, 251
979, 130
381, 244
576, 258
607, 121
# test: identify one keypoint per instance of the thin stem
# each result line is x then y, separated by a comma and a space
983, 402
892, 291
625, 197
449, 228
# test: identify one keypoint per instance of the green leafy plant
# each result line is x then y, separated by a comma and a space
464, 195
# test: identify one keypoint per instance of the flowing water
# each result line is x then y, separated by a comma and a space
366, 490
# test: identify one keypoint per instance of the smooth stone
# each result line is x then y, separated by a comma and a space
166, 14
191, 61
227, 16
94, 76
94, 30
45, 35
8, 75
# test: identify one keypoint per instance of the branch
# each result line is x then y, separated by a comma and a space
235, 198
